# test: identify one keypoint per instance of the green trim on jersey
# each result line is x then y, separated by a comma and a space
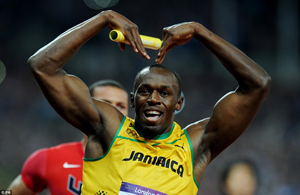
158, 137
192, 155
99, 158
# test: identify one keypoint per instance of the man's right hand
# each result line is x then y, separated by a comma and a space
129, 30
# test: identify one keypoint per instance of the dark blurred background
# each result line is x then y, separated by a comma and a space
266, 30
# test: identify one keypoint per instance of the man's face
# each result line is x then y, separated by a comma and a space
155, 100
113, 95
240, 181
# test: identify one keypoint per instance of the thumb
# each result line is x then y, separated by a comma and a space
122, 46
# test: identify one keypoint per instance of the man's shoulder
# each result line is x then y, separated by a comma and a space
66, 148
198, 125
65, 145
38, 154
61, 148
196, 130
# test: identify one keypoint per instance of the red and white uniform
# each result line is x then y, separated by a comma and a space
57, 168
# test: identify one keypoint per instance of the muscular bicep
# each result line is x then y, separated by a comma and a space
70, 97
231, 116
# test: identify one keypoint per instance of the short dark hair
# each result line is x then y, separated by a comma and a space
178, 79
230, 165
103, 83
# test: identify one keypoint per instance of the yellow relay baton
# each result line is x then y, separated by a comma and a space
148, 42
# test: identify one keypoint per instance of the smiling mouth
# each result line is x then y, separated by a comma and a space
152, 115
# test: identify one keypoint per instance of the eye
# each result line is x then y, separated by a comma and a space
143, 91
165, 93
121, 106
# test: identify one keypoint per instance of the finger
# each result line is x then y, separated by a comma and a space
170, 47
164, 48
138, 43
164, 39
122, 46
160, 59
163, 43
161, 55
165, 30
130, 39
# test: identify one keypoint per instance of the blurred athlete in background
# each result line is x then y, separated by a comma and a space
240, 177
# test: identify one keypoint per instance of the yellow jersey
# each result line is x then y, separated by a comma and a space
135, 165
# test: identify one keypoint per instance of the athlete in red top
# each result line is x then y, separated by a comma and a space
59, 168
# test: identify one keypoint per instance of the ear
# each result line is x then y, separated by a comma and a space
132, 100
179, 103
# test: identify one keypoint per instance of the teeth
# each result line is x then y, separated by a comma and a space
152, 112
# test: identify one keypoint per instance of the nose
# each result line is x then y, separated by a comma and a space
154, 98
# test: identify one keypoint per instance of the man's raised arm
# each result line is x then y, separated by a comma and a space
234, 112
67, 94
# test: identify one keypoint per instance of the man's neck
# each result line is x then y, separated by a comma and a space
150, 132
